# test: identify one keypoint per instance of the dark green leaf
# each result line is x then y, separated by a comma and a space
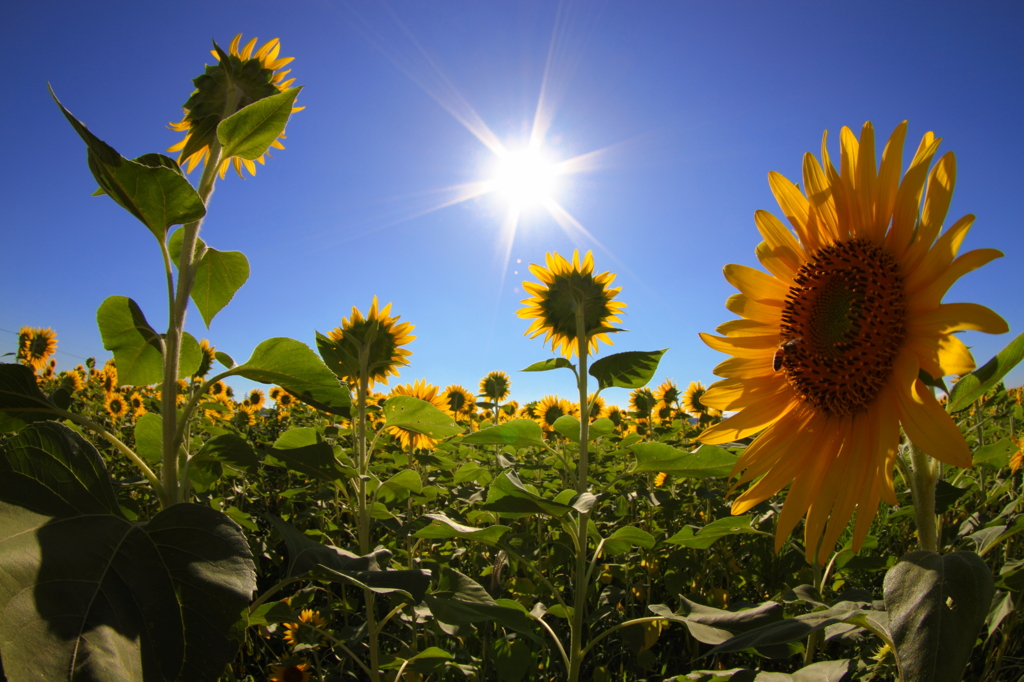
296, 368
326, 562
946, 496
994, 455
151, 188
302, 450
626, 537
714, 531
149, 437
709, 625
272, 612
21, 401
460, 600
88, 595
632, 369
231, 450
707, 461
137, 348
937, 605
442, 527
553, 363
509, 497
974, 385
249, 132
519, 433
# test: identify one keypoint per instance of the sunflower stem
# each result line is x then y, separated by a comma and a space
922, 488
364, 520
576, 651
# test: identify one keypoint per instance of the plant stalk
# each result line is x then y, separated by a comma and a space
923, 481
576, 651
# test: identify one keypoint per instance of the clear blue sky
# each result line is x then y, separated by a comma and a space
692, 104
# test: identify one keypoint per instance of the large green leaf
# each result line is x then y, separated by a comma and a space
714, 531
137, 347
296, 368
509, 497
303, 450
21, 401
149, 437
152, 187
249, 132
974, 385
547, 365
460, 600
519, 433
219, 276
937, 605
707, 461
231, 450
442, 528
88, 595
326, 562
625, 537
632, 369
420, 416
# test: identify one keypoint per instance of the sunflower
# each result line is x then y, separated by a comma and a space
495, 386
35, 346
692, 399
614, 414
275, 393
458, 401
247, 413
209, 355
255, 399
668, 392
290, 673
217, 388
660, 479
301, 633
115, 405
377, 338
549, 409
829, 352
244, 77
597, 407
424, 391
136, 404
565, 288
642, 401
1017, 458
76, 379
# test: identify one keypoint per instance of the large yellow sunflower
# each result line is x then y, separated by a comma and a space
245, 77
424, 391
35, 346
828, 352
378, 337
565, 288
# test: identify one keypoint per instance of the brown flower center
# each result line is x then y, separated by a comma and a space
842, 326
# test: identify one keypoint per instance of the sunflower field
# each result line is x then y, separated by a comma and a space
845, 504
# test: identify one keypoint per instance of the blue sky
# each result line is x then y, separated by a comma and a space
688, 104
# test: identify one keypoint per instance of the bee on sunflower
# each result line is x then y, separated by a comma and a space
831, 343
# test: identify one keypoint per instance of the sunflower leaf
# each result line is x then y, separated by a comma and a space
294, 366
148, 187
219, 276
413, 414
137, 347
714, 531
974, 385
632, 369
509, 497
108, 598
937, 605
303, 450
460, 600
705, 462
553, 363
519, 433
442, 527
21, 401
249, 132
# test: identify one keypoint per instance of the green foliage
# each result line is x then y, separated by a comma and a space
632, 369
974, 385
138, 349
249, 132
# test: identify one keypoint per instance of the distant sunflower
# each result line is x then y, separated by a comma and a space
299, 672
301, 633
660, 479
244, 77
378, 335
691, 399
76, 379
495, 386
458, 401
115, 405
217, 388
136, 404
424, 391
614, 414
828, 354
668, 392
549, 409
35, 346
642, 401
209, 355
565, 288
255, 399
275, 393
597, 407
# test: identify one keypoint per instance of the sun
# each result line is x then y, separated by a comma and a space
525, 177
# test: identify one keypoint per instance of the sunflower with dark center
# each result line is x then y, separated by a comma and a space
255, 399
35, 346
376, 340
115, 405
238, 79
668, 392
828, 353
549, 409
459, 402
691, 399
136, 404
496, 386
642, 401
411, 440
209, 355
567, 288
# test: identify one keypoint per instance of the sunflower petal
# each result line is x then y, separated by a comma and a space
938, 258
889, 178
950, 317
926, 423
755, 284
752, 310
931, 296
748, 422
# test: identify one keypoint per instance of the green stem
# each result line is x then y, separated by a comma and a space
116, 442
364, 519
576, 651
923, 481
